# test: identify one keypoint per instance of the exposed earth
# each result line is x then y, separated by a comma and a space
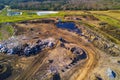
43, 50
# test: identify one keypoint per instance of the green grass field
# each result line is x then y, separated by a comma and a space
25, 16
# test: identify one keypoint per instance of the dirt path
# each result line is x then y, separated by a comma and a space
33, 67
91, 52
88, 66
92, 59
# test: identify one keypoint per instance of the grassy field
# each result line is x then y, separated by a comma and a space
110, 17
112, 13
25, 16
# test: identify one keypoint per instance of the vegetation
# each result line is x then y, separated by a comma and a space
109, 20
25, 16
6, 30
61, 4
110, 24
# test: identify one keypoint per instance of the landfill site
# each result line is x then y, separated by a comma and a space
50, 49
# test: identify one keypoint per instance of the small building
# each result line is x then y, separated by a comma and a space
12, 13
40, 13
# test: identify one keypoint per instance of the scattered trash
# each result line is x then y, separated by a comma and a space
111, 74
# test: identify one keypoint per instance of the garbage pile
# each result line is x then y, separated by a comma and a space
17, 46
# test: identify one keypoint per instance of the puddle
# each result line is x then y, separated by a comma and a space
69, 26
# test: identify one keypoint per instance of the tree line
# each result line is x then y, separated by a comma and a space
61, 4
